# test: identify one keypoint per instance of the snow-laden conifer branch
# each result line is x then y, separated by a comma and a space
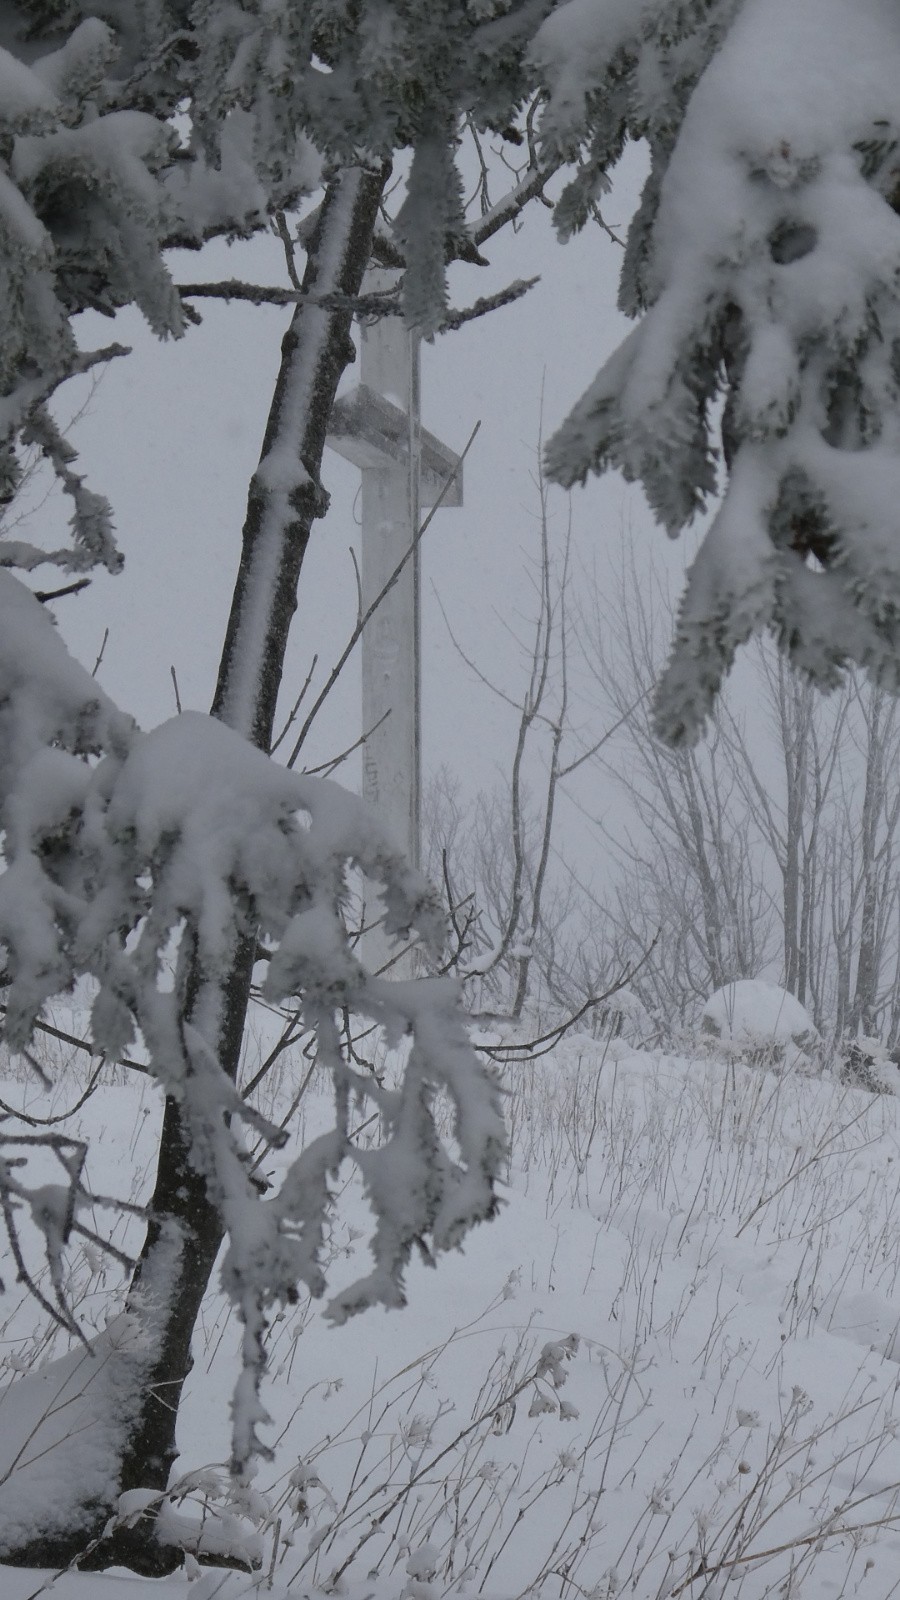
763, 264
126, 137
120, 845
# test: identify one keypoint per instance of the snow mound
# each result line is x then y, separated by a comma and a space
749, 1011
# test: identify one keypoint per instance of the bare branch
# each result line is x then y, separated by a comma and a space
292, 715
550, 1039
103, 643
62, 1116
81, 1044
44, 595
330, 766
281, 228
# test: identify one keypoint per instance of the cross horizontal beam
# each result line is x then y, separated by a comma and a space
369, 430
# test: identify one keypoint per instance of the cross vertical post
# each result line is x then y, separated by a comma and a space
378, 427
391, 644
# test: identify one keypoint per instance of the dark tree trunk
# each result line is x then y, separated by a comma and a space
286, 494
285, 498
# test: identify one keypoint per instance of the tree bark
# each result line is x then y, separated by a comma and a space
286, 494
285, 498
862, 1012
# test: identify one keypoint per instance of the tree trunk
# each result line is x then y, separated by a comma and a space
286, 494
795, 709
862, 1011
285, 498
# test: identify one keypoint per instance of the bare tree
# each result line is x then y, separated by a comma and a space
532, 938
515, 911
866, 884
771, 846
689, 865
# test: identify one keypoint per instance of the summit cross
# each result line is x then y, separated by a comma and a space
404, 468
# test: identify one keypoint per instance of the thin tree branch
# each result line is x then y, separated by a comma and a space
103, 643
551, 1039
57, 594
509, 208
515, 705
565, 772
281, 228
63, 1116
327, 767
83, 1044
292, 715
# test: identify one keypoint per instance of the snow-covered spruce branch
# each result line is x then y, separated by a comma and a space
761, 265
119, 845
101, 178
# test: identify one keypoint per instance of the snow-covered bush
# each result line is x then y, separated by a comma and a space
760, 1021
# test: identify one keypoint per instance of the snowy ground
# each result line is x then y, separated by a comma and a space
705, 1252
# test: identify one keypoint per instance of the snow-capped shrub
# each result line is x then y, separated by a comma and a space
760, 1020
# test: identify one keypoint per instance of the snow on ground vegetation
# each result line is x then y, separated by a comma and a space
669, 1369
